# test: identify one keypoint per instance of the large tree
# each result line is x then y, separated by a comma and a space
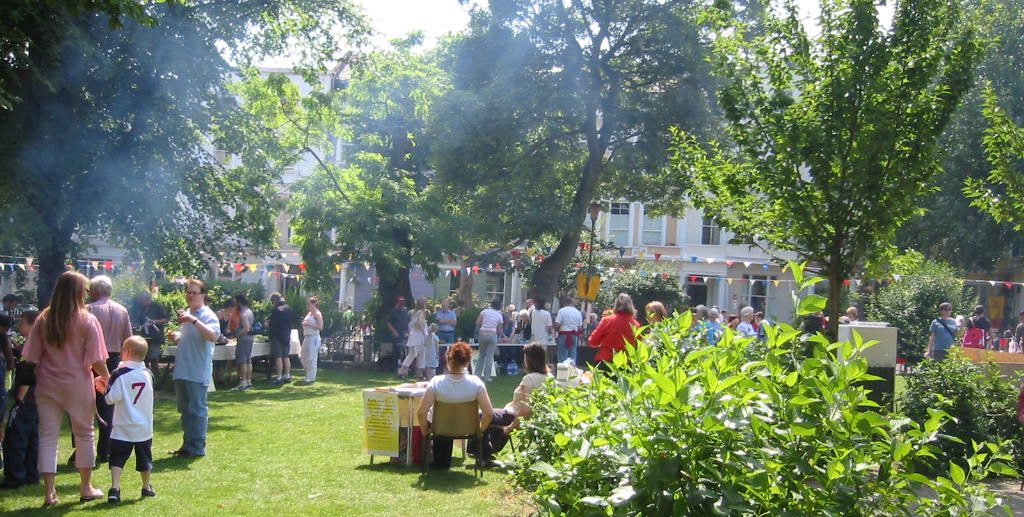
376, 206
952, 229
1000, 193
30, 36
1003, 196
833, 135
557, 104
114, 130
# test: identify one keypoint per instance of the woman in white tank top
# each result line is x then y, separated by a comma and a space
312, 324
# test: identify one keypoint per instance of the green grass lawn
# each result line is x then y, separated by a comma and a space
284, 451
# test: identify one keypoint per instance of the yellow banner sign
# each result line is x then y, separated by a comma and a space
380, 423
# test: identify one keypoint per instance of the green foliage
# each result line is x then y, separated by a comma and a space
833, 135
682, 428
981, 401
1004, 149
32, 29
225, 289
644, 282
972, 231
127, 286
465, 327
172, 298
377, 205
911, 303
557, 104
134, 167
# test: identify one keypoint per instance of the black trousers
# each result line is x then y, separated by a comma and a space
106, 414
494, 438
21, 446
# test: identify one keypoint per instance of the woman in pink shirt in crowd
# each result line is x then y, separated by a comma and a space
66, 345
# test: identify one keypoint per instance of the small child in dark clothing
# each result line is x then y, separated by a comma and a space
21, 439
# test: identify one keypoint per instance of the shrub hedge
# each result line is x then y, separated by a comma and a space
677, 427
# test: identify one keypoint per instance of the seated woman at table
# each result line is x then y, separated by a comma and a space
507, 419
454, 387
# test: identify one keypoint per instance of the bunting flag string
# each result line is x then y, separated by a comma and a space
520, 258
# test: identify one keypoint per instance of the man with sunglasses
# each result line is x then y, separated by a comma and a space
193, 368
942, 333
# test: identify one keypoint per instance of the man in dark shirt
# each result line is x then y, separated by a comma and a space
398, 325
11, 302
152, 319
280, 329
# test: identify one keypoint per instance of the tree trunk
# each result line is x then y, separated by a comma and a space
392, 280
465, 293
391, 283
547, 277
835, 296
51, 266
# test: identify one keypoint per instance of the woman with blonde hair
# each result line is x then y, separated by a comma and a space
66, 345
655, 312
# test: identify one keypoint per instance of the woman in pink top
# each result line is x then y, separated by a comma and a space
66, 345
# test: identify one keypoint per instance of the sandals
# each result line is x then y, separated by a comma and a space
91, 497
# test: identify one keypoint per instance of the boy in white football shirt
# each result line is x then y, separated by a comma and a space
130, 391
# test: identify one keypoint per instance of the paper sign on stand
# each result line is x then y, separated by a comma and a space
380, 423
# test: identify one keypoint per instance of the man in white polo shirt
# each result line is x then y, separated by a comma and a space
569, 323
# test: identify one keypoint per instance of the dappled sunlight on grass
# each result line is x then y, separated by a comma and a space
293, 450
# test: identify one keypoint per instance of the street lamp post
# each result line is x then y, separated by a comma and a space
594, 210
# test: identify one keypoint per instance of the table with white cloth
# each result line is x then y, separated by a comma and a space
390, 425
516, 356
226, 353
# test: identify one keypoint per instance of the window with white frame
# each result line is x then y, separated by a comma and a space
494, 287
618, 224
453, 284
653, 231
758, 290
710, 232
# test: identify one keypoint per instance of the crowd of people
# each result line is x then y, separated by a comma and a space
420, 336
87, 362
974, 331
566, 332
64, 368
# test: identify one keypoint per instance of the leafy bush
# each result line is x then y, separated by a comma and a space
127, 286
172, 299
645, 282
465, 326
982, 402
221, 290
681, 428
911, 304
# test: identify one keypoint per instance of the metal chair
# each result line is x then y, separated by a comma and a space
457, 421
